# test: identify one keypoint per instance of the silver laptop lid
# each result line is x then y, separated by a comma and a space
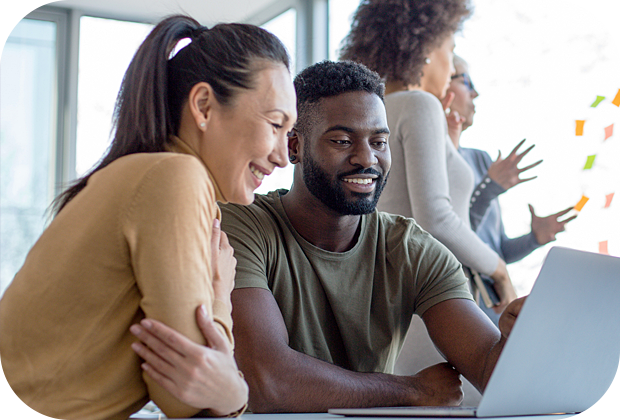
563, 351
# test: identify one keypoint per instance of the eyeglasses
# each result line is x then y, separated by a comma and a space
466, 80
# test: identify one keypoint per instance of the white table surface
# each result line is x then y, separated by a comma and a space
326, 416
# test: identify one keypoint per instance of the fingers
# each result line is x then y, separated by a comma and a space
161, 380
447, 100
519, 157
514, 151
569, 219
216, 234
209, 330
531, 210
562, 213
522, 180
163, 368
533, 165
162, 339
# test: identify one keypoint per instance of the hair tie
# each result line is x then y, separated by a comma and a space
184, 42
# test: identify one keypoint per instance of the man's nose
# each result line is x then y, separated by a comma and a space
364, 156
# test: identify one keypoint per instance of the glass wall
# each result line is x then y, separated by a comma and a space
284, 26
103, 61
28, 113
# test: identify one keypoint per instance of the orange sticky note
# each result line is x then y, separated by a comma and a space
616, 100
579, 127
581, 203
608, 199
602, 247
609, 131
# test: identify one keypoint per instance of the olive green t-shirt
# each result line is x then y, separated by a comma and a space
349, 308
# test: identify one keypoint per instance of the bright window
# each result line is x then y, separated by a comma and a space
284, 27
27, 138
106, 49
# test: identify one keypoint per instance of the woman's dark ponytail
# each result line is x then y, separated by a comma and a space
156, 86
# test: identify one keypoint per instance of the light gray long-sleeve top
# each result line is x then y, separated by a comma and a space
429, 180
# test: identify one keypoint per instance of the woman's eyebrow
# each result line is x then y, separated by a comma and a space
284, 114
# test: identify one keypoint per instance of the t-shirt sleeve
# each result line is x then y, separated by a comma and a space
247, 235
168, 229
434, 273
423, 132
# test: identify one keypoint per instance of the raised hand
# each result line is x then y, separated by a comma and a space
438, 385
223, 265
506, 171
455, 121
545, 228
199, 376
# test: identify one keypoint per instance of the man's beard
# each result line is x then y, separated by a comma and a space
332, 193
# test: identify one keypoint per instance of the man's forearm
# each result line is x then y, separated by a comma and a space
300, 383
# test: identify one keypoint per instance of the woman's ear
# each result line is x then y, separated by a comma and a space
200, 103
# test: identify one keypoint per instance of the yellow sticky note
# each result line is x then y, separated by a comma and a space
602, 248
579, 127
616, 100
589, 162
608, 199
581, 203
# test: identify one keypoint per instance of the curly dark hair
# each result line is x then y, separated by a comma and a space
393, 37
329, 78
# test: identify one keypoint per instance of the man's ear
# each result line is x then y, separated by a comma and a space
294, 146
201, 101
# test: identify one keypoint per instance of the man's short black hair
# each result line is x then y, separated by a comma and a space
329, 78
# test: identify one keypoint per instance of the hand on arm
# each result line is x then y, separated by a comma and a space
506, 172
200, 376
284, 380
545, 228
223, 265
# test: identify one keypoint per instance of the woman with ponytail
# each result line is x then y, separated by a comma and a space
202, 116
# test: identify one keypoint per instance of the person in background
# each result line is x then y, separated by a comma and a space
494, 178
326, 286
202, 115
410, 44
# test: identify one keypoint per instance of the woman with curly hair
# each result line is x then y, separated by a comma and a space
410, 43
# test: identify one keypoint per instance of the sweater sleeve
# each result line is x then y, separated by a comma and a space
423, 132
485, 192
515, 249
168, 229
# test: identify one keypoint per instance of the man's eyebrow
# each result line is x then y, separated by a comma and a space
350, 130
339, 128
286, 117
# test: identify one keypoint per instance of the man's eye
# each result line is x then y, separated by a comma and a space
337, 141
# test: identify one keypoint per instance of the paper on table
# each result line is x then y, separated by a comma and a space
602, 248
609, 131
579, 127
616, 100
589, 162
598, 100
608, 199
581, 203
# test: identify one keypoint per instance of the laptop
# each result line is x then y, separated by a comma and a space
563, 351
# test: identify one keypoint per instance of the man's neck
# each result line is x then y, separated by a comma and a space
318, 224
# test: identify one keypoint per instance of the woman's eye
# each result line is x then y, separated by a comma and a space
277, 126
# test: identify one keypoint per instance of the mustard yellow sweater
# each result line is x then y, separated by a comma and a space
135, 242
